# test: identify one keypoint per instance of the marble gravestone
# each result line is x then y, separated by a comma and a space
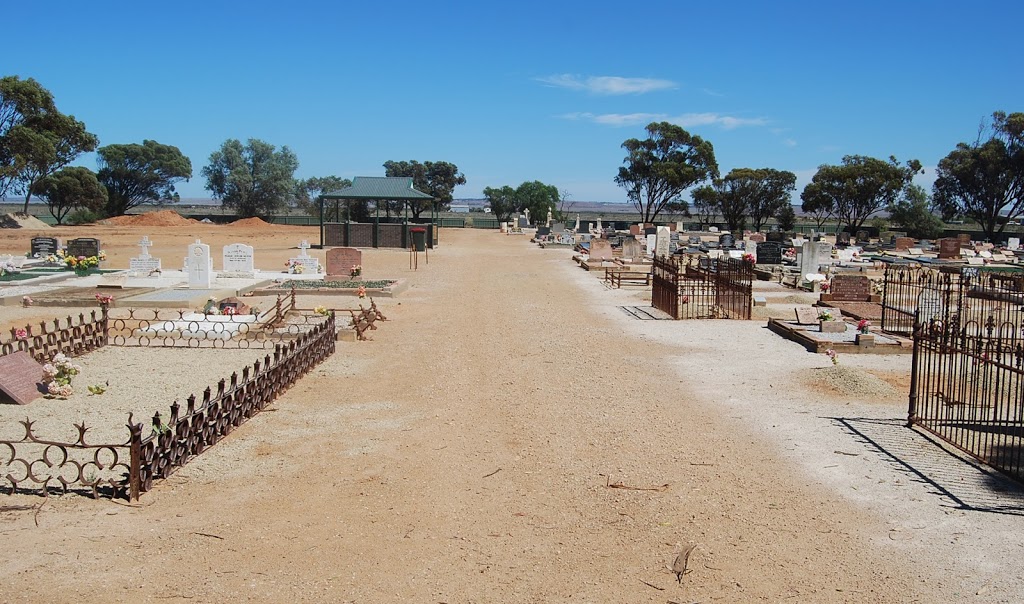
652, 244
238, 259
631, 249
309, 264
144, 263
600, 250
809, 263
661, 242
199, 266
340, 261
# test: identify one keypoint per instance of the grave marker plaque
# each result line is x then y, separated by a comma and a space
850, 288
843, 238
769, 252
862, 237
83, 246
949, 248
806, 316
340, 261
964, 238
20, 376
43, 246
929, 305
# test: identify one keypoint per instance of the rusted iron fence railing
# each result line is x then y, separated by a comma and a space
967, 381
905, 286
72, 337
129, 468
174, 442
699, 287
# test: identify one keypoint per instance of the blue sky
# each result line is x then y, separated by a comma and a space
526, 90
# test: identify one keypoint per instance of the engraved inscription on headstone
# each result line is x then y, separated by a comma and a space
20, 376
83, 246
238, 258
769, 252
199, 266
43, 246
850, 288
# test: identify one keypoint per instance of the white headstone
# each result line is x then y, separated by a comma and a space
238, 258
661, 242
750, 247
680, 227
576, 229
799, 241
144, 263
809, 259
309, 264
1013, 243
652, 245
199, 266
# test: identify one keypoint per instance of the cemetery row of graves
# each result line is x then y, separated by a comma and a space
955, 305
149, 306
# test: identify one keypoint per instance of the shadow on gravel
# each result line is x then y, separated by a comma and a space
964, 482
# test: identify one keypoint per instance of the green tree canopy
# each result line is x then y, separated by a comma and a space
71, 188
817, 203
136, 174
36, 139
705, 205
984, 181
786, 217
253, 179
659, 168
23, 103
502, 201
913, 213
537, 197
308, 194
435, 178
859, 187
763, 192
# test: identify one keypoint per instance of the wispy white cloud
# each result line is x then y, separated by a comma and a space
687, 120
607, 85
789, 142
710, 92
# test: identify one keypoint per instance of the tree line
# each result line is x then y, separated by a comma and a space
38, 143
981, 181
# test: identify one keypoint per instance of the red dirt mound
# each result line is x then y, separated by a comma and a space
158, 218
252, 223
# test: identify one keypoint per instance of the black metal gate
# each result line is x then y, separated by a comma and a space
967, 381
699, 287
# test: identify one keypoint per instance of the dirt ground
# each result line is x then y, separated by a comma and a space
511, 435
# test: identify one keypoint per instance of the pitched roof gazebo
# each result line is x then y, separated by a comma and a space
376, 189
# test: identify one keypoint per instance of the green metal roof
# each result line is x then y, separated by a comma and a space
397, 188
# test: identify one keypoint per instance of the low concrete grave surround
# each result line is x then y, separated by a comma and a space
844, 342
173, 298
340, 261
388, 288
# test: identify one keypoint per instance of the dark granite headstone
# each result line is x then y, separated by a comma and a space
850, 288
726, 240
543, 231
20, 376
83, 246
775, 236
43, 246
650, 230
843, 238
769, 252
863, 237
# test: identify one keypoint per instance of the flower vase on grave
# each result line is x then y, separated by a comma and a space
866, 339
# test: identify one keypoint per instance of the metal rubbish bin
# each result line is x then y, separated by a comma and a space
419, 238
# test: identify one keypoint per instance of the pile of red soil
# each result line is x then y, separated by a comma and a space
159, 218
252, 223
